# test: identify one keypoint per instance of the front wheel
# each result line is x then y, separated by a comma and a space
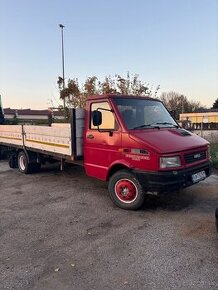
125, 190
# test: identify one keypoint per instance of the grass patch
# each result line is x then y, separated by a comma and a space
214, 154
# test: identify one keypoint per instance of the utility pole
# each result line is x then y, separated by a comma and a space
62, 48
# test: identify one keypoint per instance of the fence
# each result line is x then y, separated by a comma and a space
208, 131
200, 126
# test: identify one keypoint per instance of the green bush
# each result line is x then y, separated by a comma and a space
214, 154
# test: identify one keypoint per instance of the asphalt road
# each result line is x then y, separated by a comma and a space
59, 230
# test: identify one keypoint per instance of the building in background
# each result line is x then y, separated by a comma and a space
201, 116
200, 119
28, 116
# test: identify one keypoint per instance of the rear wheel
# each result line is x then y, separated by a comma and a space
13, 161
125, 190
23, 164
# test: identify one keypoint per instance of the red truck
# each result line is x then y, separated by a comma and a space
131, 142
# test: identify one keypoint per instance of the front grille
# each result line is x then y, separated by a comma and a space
194, 157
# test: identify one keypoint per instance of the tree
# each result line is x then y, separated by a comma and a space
215, 104
179, 103
75, 95
14, 121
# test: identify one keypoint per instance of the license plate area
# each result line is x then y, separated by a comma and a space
198, 176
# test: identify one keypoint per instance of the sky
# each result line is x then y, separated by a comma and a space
170, 43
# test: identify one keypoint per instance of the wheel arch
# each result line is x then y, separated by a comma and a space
116, 167
32, 156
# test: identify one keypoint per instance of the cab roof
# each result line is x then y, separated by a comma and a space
107, 96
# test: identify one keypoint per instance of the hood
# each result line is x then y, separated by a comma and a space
168, 140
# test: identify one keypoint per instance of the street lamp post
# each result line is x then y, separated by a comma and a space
62, 46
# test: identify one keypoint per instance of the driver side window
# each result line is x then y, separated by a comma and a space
108, 120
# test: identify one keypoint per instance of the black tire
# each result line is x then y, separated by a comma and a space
23, 164
13, 161
216, 217
125, 190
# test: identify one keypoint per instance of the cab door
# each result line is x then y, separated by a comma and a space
101, 144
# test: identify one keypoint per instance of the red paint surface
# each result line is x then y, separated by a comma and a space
106, 150
125, 190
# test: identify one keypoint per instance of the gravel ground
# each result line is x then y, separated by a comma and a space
59, 230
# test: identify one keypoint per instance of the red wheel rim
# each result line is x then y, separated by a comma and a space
126, 190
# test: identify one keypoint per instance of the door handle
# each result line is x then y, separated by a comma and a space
90, 136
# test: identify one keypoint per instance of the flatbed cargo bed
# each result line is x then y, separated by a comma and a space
63, 140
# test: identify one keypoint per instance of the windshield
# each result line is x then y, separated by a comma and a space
142, 113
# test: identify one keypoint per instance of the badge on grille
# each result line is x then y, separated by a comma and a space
196, 156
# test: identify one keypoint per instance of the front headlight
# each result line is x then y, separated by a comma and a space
168, 162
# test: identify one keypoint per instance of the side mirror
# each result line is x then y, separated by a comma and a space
96, 118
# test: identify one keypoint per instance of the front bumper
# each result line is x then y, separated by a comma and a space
166, 181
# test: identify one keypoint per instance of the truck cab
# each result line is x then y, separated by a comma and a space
137, 146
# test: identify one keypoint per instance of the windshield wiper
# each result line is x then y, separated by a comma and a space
145, 126
167, 123
154, 125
